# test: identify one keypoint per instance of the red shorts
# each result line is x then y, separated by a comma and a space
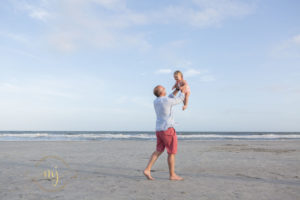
168, 139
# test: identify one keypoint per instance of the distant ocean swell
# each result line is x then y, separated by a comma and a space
84, 136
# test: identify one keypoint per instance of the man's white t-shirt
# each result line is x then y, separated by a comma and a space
163, 108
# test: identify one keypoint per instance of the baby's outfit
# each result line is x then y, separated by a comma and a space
181, 83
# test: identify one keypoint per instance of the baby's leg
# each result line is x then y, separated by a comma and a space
186, 100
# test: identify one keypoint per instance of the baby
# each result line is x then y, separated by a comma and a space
183, 86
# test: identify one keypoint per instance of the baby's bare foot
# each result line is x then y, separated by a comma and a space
148, 175
176, 178
184, 107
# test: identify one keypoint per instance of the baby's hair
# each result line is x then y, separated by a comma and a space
178, 72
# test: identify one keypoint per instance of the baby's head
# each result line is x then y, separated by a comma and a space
178, 76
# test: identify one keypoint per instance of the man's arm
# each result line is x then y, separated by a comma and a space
174, 86
176, 100
174, 93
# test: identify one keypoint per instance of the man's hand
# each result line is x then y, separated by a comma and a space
175, 91
174, 86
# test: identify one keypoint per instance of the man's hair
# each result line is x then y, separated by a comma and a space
157, 91
178, 72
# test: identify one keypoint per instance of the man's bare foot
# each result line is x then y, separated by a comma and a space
148, 175
184, 107
176, 178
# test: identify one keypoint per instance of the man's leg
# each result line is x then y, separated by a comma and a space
153, 158
171, 163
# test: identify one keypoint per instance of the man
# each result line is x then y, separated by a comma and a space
165, 133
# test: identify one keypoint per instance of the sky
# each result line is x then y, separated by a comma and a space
91, 65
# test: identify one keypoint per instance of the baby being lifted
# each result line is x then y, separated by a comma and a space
183, 86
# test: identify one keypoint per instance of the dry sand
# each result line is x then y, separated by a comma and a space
113, 170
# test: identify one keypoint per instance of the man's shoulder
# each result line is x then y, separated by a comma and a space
160, 99
156, 100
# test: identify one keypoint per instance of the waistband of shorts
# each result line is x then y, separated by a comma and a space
161, 131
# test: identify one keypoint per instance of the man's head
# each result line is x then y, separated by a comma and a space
159, 91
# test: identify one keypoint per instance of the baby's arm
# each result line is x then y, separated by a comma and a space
174, 86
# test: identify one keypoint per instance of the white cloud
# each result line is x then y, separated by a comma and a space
163, 71
203, 75
203, 13
31, 90
296, 39
110, 4
22, 40
52, 87
37, 10
64, 41
14, 36
287, 48
191, 72
73, 24
39, 14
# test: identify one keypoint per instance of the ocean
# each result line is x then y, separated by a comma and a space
140, 135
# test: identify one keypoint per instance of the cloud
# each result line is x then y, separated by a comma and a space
38, 14
73, 24
110, 4
21, 40
56, 87
289, 48
296, 40
36, 10
64, 41
203, 75
171, 52
204, 13
192, 72
14, 36
31, 90
163, 71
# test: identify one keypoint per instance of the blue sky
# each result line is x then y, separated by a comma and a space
92, 64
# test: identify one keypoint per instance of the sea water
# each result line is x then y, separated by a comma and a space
140, 135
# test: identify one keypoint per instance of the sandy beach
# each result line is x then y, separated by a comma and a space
113, 170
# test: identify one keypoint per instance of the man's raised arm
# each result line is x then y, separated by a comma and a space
176, 100
175, 92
